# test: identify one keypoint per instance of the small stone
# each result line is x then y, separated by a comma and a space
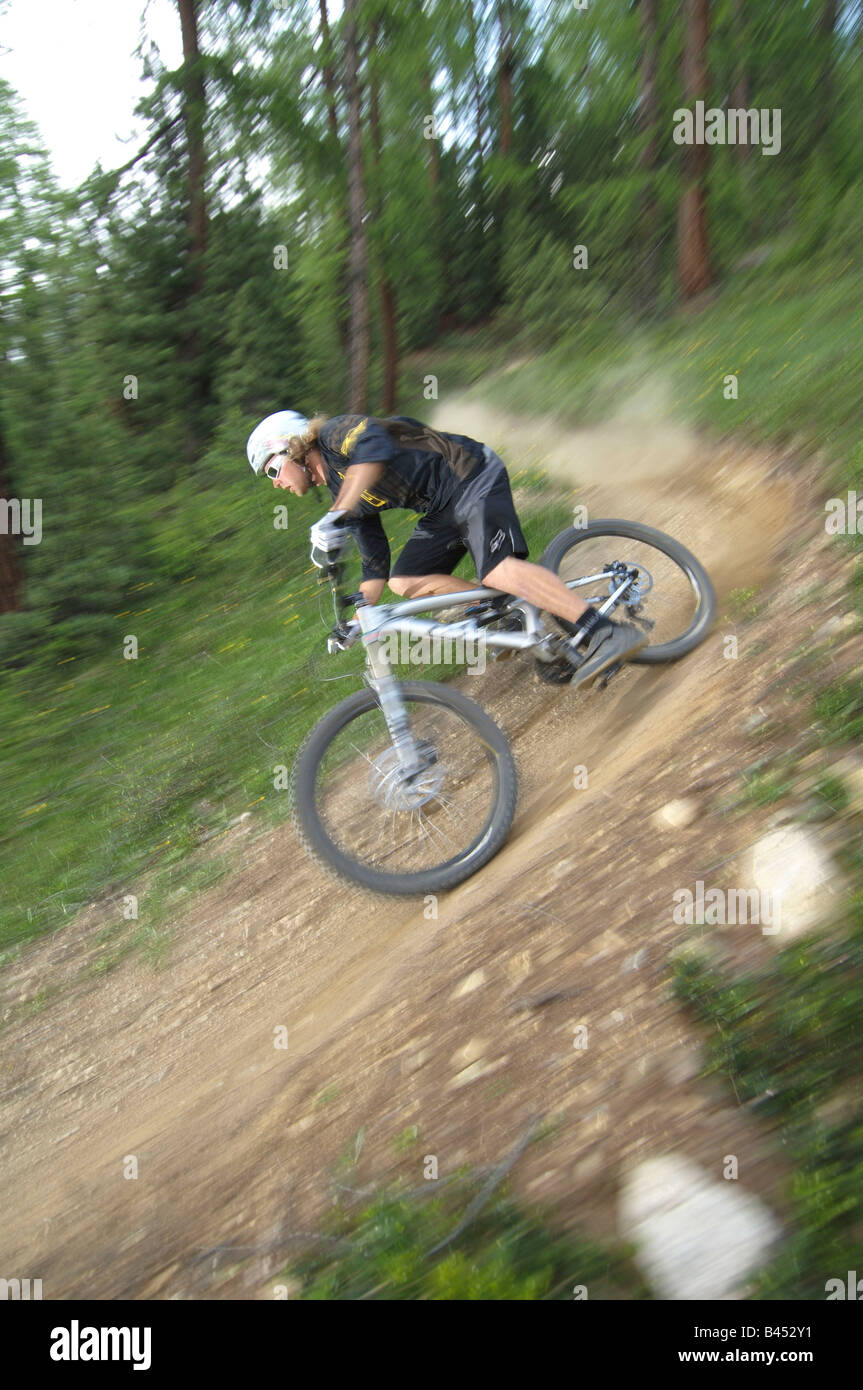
588, 1167
834, 627
635, 962
676, 815
476, 1071
756, 720
471, 982
518, 966
597, 1121
412, 1061
685, 1065
471, 1052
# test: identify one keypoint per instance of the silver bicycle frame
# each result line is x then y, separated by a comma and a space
379, 620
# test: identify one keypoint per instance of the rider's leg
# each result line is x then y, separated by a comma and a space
597, 643
418, 585
538, 585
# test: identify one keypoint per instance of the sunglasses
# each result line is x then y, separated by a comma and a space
272, 470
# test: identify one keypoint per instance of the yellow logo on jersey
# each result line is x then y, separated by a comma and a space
352, 436
368, 496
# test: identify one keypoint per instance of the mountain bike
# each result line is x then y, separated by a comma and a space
409, 787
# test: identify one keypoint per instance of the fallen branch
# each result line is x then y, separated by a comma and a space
497, 1176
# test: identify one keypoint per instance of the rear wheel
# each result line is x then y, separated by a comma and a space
356, 811
663, 587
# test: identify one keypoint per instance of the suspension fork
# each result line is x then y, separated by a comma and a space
379, 676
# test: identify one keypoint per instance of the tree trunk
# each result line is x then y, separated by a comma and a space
389, 330
693, 255
743, 150
740, 91
194, 109
477, 83
328, 76
649, 125
328, 73
506, 64
10, 568
358, 267
391, 346
825, 31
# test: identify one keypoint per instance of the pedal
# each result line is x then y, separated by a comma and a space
556, 672
605, 676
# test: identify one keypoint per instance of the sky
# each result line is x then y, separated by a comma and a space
71, 63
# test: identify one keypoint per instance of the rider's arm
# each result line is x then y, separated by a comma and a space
371, 589
374, 551
359, 477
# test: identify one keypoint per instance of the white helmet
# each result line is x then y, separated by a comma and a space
275, 430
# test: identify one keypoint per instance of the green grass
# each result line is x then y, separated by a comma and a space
743, 605
838, 712
385, 1250
832, 792
764, 786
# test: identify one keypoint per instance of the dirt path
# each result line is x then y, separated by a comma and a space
236, 1142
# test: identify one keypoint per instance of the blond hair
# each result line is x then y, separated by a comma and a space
300, 444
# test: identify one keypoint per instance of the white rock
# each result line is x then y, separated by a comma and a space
790, 865
698, 1237
676, 815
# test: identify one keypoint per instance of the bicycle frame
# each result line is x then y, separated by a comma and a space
380, 620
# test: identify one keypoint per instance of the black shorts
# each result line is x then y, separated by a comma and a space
481, 519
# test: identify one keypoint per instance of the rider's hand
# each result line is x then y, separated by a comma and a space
343, 636
326, 534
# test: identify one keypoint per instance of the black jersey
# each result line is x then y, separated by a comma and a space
423, 470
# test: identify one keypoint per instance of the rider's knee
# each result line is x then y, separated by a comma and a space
505, 569
402, 584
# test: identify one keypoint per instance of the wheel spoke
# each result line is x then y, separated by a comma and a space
376, 815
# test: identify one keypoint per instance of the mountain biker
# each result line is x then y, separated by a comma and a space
460, 488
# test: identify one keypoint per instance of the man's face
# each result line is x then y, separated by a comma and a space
291, 475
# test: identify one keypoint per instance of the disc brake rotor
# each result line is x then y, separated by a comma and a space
641, 583
396, 790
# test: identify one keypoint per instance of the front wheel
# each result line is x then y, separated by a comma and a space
660, 585
357, 812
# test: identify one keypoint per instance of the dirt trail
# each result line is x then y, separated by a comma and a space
235, 1140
